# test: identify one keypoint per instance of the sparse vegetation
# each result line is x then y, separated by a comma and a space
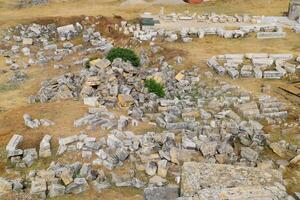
155, 87
125, 54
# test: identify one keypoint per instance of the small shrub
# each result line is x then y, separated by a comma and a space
87, 64
155, 87
125, 54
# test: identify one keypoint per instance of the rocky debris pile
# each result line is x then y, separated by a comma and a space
258, 65
64, 87
21, 158
35, 123
27, 3
210, 17
31, 44
187, 34
18, 76
267, 108
60, 179
25, 158
233, 182
101, 117
284, 149
10, 185
271, 108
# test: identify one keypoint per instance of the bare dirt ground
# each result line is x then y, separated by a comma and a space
13, 100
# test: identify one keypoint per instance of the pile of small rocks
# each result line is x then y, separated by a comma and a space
258, 65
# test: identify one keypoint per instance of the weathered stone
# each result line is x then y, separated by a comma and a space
66, 176
151, 168
56, 190
125, 100
157, 181
101, 186
39, 187
249, 154
78, 186
14, 142
295, 160
278, 149
5, 186
251, 192
208, 148
45, 148
271, 35
196, 176
122, 154
30, 122
91, 101
162, 168
169, 192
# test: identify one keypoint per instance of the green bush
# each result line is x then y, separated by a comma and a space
125, 54
87, 64
155, 87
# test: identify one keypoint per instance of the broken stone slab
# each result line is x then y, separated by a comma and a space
169, 192
46, 122
27, 41
91, 101
64, 31
39, 187
30, 157
287, 56
56, 190
271, 35
157, 181
30, 122
249, 154
45, 148
114, 142
278, 149
78, 186
196, 176
101, 186
122, 154
208, 148
250, 192
162, 168
258, 62
295, 160
125, 100
68, 140
272, 74
233, 73
14, 142
151, 168
14, 153
5, 187
256, 55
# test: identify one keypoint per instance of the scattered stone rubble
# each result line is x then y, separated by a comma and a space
255, 65
187, 34
24, 40
206, 127
197, 120
35, 123
27, 3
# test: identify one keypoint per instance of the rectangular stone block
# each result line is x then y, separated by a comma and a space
196, 176
271, 35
